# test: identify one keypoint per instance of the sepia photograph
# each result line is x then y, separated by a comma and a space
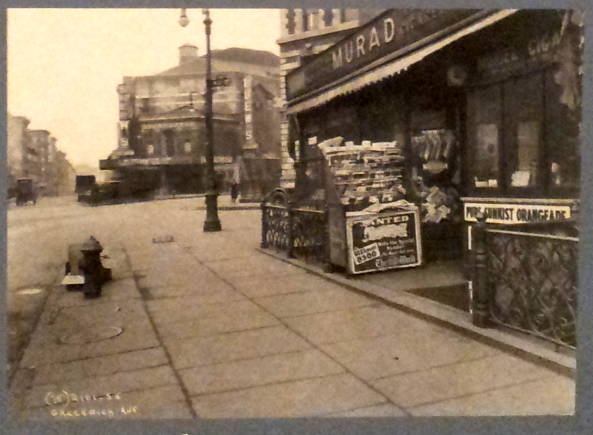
280, 213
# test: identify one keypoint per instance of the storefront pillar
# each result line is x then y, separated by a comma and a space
480, 300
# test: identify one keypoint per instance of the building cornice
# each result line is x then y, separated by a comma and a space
319, 32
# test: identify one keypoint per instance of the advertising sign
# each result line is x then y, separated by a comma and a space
515, 213
383, 241
247, 83
390, 32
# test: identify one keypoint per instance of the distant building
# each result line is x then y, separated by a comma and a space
51, 172
40, 143
306, 32
65, 175
18, 150
33, 154
162, 133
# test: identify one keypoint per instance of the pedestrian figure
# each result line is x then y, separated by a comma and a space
234, 191
235, 184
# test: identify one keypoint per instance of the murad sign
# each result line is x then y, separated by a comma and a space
392, 31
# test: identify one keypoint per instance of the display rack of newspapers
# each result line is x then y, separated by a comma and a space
371, 225
365, 175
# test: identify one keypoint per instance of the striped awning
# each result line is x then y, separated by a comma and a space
391, 68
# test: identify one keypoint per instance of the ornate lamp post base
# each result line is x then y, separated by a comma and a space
212, 223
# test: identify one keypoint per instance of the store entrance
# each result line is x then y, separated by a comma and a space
425, 114
434, 169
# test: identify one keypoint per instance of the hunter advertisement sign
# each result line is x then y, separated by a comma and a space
383, 241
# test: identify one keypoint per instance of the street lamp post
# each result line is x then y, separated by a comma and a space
212, 223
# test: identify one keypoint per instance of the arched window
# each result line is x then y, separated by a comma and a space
168, 143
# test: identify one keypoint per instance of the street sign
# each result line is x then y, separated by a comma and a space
221, 81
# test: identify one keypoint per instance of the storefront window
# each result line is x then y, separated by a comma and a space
523, 128
523, 101
484, 126
561, 138
524, 172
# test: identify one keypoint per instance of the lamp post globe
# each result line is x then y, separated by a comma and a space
183, 20
212, 222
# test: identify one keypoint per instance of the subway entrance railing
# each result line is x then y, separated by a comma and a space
298, 231
525, 278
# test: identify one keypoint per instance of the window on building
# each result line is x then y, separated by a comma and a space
306, 19
150, 149
328, 17
484, 127
561, 133
521, 137
168, 143
523, 100
187, 147
144, 105
290, 21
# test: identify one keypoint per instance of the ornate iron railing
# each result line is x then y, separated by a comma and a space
309, 234
299, 232
527, 280
275, 225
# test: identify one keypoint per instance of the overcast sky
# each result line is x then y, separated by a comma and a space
64, 64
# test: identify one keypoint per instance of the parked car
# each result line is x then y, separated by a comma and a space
84, 186
105, 193
25, 191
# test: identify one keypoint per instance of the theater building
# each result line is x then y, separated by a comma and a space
161, 130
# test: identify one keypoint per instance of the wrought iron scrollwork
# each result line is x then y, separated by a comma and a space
275, 227
309, 231
299, 232
532, 282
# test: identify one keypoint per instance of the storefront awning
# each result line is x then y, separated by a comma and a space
358, 81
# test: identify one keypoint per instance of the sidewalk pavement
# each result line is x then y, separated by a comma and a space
207, 326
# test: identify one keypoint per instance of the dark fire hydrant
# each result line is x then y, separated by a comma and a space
95, 275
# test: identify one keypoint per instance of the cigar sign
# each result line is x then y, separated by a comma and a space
515, 213
394, 32
383, 241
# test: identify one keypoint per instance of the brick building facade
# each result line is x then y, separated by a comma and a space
306, 32
34, 154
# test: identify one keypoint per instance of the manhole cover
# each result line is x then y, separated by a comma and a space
91, 335
29, 291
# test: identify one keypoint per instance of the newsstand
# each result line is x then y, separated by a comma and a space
348, 209
371, 227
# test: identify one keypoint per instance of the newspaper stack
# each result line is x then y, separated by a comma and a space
365, 174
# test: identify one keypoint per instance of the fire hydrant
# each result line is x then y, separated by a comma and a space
95, 275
